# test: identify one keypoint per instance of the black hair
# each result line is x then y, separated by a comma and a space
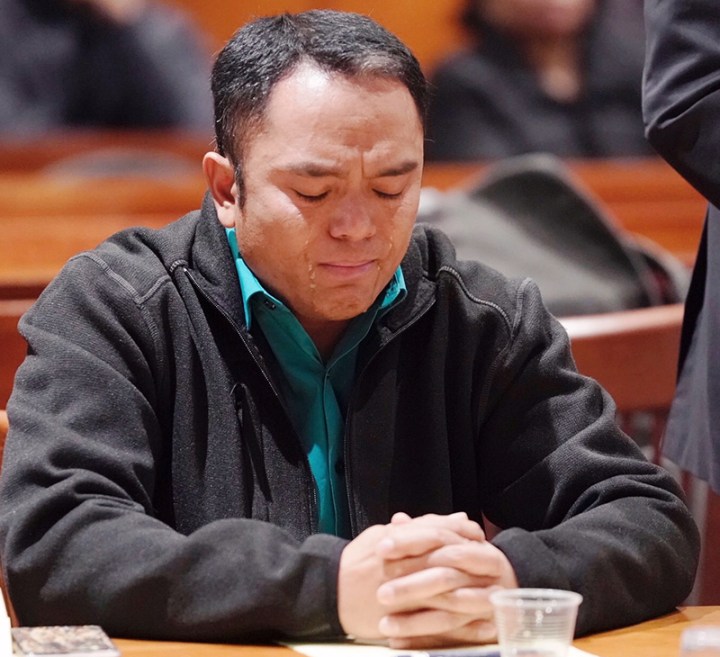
268, 49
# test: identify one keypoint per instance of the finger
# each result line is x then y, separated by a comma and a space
475, 632
418, 535
413, 539
398, 568
395, 568
424, 622
415, 590
400, 518
469, 601
466, 601
480, 559
439, 517
457, 522
436, 623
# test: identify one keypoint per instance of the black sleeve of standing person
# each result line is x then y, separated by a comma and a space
681, 105
681, 101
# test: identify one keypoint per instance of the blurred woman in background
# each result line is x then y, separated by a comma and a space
558, 76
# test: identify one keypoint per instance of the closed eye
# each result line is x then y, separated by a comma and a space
387, 195
312, 198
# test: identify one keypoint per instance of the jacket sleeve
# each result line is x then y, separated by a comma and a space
681, 93
582, 507
79, 539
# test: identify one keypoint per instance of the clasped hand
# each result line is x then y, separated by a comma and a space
421, 582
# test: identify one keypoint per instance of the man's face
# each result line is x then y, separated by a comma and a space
332, 182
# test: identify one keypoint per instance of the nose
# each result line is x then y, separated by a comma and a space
352, 220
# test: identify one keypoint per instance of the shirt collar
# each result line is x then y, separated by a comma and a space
394, 293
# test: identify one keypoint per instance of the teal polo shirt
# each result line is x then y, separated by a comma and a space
316, 393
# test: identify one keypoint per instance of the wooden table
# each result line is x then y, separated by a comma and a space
655, 638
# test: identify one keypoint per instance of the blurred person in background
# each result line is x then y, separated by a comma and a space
557, 76
100, 63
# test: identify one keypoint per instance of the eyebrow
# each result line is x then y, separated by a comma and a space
314, 170
399, 170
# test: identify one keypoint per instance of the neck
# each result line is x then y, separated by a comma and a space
556, 63
325, 335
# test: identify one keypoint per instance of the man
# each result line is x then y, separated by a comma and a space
285, 415
681, 104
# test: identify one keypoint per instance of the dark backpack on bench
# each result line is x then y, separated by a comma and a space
529, 217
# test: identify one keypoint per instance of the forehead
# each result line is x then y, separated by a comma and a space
311, 106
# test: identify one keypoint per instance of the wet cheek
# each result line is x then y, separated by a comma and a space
288, 233
398, 230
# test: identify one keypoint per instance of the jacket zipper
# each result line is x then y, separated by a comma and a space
221, 310
346, 442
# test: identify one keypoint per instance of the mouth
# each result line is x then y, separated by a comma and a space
348, 269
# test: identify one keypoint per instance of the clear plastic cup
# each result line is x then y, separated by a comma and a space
535, 622
700, 641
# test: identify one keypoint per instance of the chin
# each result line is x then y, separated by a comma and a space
348, 310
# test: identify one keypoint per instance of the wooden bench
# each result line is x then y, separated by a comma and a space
12, 345
3, 432
632, 353
76, 149
46, 219
39, 248
43, 197
645, 195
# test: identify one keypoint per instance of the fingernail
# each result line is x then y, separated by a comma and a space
386, 626
385, 593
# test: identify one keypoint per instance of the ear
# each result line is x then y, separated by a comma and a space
220, 177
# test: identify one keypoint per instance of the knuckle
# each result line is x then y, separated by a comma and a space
448, 577
485, 631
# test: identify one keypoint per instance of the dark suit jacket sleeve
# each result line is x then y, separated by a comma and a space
681, 105
681, 99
